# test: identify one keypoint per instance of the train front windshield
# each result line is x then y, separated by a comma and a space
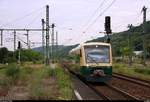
97, 54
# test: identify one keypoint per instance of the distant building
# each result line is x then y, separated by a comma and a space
138, 53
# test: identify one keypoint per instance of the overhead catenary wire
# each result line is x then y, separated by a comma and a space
22, 17
33, 20
101, 4
135, 18
21, 40
100, 15
120, 24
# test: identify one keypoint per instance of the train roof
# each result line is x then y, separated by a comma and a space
95, 43
76, 50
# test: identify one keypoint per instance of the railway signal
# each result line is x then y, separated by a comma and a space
108, 27
19, 45
19, 48
108, 24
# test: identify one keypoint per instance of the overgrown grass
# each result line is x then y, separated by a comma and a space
37, 85
36, 91
34, 77
2, 72
9, 74
134, 70
4, 83
12, 72
26, 75
143, 71
64, 84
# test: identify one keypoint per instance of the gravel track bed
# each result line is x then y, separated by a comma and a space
111, 93
134, 89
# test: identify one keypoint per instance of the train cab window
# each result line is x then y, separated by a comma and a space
97, 54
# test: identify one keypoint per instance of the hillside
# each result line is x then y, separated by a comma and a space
120, 40
62, 50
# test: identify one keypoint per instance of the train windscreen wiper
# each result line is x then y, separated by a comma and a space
92, 59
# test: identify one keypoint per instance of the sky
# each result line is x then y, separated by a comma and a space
76, 20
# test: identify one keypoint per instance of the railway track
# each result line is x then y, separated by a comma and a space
104, 90
145, 83
110, 92
134, 86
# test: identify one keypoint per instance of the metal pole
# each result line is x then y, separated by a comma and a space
14, 40
19, 56
52, 39
47, 35
56, 45
144, 47
1, 37
28, 39
43, 41
129, 44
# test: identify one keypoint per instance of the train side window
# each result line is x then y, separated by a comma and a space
80, 53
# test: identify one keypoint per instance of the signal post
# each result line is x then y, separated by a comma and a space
108, 27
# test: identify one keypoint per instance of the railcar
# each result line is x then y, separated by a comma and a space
95, 61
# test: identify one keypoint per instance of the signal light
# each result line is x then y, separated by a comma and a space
108, 24
19, 44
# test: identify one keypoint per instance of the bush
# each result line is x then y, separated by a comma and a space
143, 71
13, 71
28, 70
118, 60
50, 71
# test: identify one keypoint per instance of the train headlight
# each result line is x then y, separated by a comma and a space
87, 65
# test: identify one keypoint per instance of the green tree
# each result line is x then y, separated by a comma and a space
3, 55
29, 55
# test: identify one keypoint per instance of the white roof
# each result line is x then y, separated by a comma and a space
96, 43
138, 52
76, 50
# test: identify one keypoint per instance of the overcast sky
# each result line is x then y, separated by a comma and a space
76, 20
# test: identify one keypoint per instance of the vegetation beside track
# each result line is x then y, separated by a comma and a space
64, 83
7, 56
35, 81
135, 70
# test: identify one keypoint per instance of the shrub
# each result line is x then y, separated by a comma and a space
4, 82
13, 71
143, 71
50, 71
28, 70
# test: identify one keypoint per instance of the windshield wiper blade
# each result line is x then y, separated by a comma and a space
92, 59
